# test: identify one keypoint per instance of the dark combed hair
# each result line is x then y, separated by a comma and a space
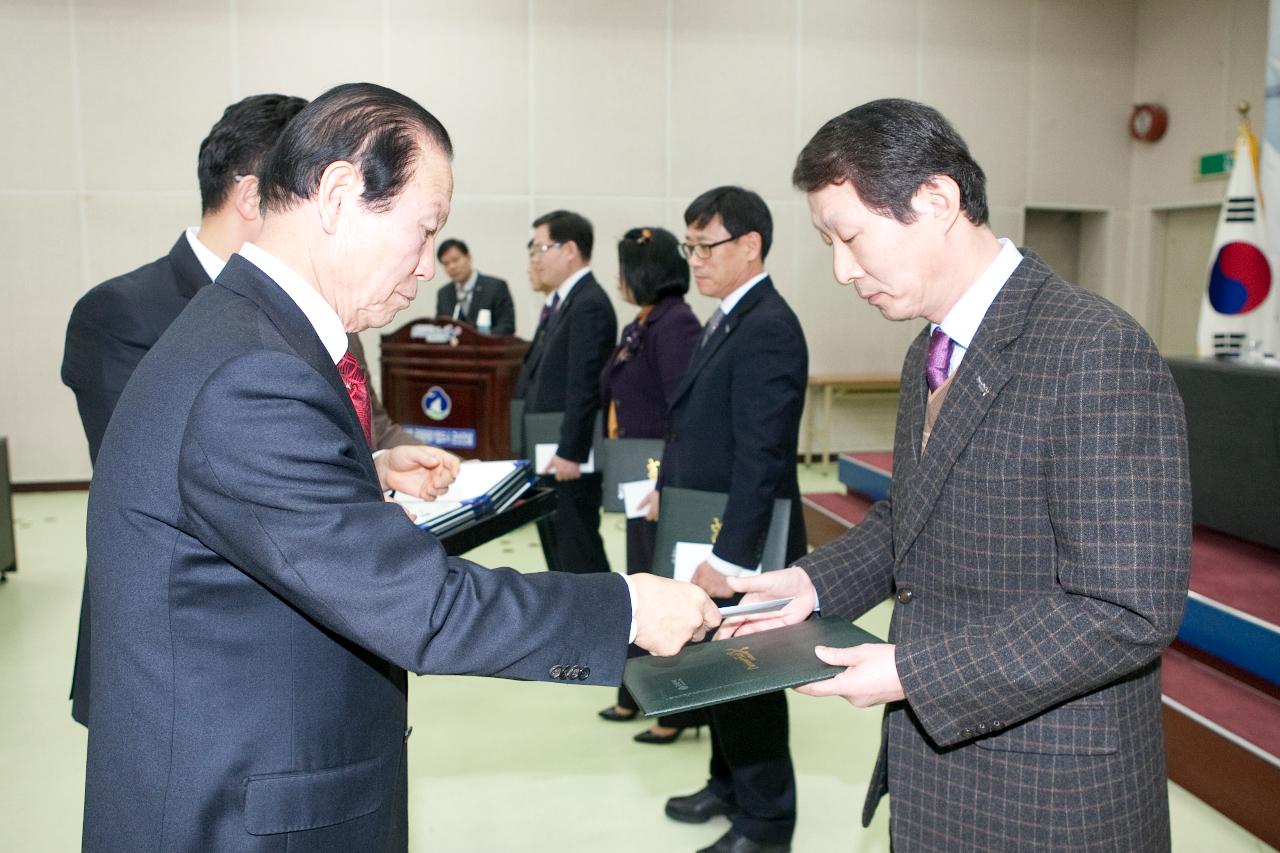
238, 142
740, 211
651, 266
452, 243
887, 150
375, 128
565, 226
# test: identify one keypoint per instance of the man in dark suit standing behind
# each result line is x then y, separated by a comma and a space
1037, 537
561, 373
735, 426
469, 291
256, 601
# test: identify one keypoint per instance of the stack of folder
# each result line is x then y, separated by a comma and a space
482, 489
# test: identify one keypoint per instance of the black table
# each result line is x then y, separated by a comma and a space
535, 504
1233, 438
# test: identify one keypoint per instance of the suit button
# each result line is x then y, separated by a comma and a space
572, 673
982, 728
966, 733
997, 724
904, 595
585, 674
556, 671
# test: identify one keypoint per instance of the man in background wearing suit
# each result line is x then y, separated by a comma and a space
561, 373
1037, 536
735, 426
468, 292
256, 601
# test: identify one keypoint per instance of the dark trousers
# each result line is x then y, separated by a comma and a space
751, 766
571, 538
641, 537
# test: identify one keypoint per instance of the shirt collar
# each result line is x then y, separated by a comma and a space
962, 321
470, 283
319, 313
727, 304
212, 263
567, 285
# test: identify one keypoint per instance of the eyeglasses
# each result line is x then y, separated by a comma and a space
536, 249
702, 250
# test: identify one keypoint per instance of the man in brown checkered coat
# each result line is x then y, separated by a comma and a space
1037, 535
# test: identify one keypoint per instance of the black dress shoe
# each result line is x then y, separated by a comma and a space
698, 808
733, 842
648, 735
613, 715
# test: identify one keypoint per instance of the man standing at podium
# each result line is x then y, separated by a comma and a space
468, 292
561, 373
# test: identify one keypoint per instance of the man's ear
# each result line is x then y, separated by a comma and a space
754, 243
244, 196
339, 190
938, 200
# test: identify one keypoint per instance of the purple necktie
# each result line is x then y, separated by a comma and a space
938, 364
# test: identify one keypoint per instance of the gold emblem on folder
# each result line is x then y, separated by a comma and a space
743, 656
653, 466
715, 530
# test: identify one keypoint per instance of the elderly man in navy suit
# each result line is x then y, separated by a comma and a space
1037, 537
256, 601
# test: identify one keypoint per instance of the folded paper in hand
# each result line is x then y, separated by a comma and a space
709, 673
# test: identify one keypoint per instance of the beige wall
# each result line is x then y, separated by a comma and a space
623, 111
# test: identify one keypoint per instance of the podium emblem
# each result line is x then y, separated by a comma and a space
436, 403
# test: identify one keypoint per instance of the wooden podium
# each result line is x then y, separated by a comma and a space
451, 386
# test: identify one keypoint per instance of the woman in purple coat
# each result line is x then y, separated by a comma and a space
636, 387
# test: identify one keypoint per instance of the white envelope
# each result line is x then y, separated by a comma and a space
688, 556
633, 493
542, 454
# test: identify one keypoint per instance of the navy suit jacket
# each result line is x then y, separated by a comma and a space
114, 325
491, 293
735, 422
256, 603
561, 371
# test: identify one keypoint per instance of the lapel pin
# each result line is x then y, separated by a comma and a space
982, 386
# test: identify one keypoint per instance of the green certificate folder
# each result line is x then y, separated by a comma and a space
739, 667
691, 515
627, 460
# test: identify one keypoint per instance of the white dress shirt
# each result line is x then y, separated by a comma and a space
964, 318
212, 263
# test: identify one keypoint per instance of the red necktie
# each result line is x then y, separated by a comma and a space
358, 388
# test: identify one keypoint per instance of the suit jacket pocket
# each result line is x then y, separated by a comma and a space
1066, 730
289, 802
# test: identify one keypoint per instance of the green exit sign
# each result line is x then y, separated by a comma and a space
1215, 165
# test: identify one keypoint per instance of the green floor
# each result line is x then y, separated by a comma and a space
495, 765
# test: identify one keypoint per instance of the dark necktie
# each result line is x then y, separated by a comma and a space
358, 389
712, 325
938, 362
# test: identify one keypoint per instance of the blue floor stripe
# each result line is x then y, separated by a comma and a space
872, 483
1246, 644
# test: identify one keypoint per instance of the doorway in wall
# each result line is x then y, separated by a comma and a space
1181, 241
1072, 242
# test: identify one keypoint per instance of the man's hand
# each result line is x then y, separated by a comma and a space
871, 677
670, 614
649, 503
716, 584
563, 469
424, 472
790, 583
